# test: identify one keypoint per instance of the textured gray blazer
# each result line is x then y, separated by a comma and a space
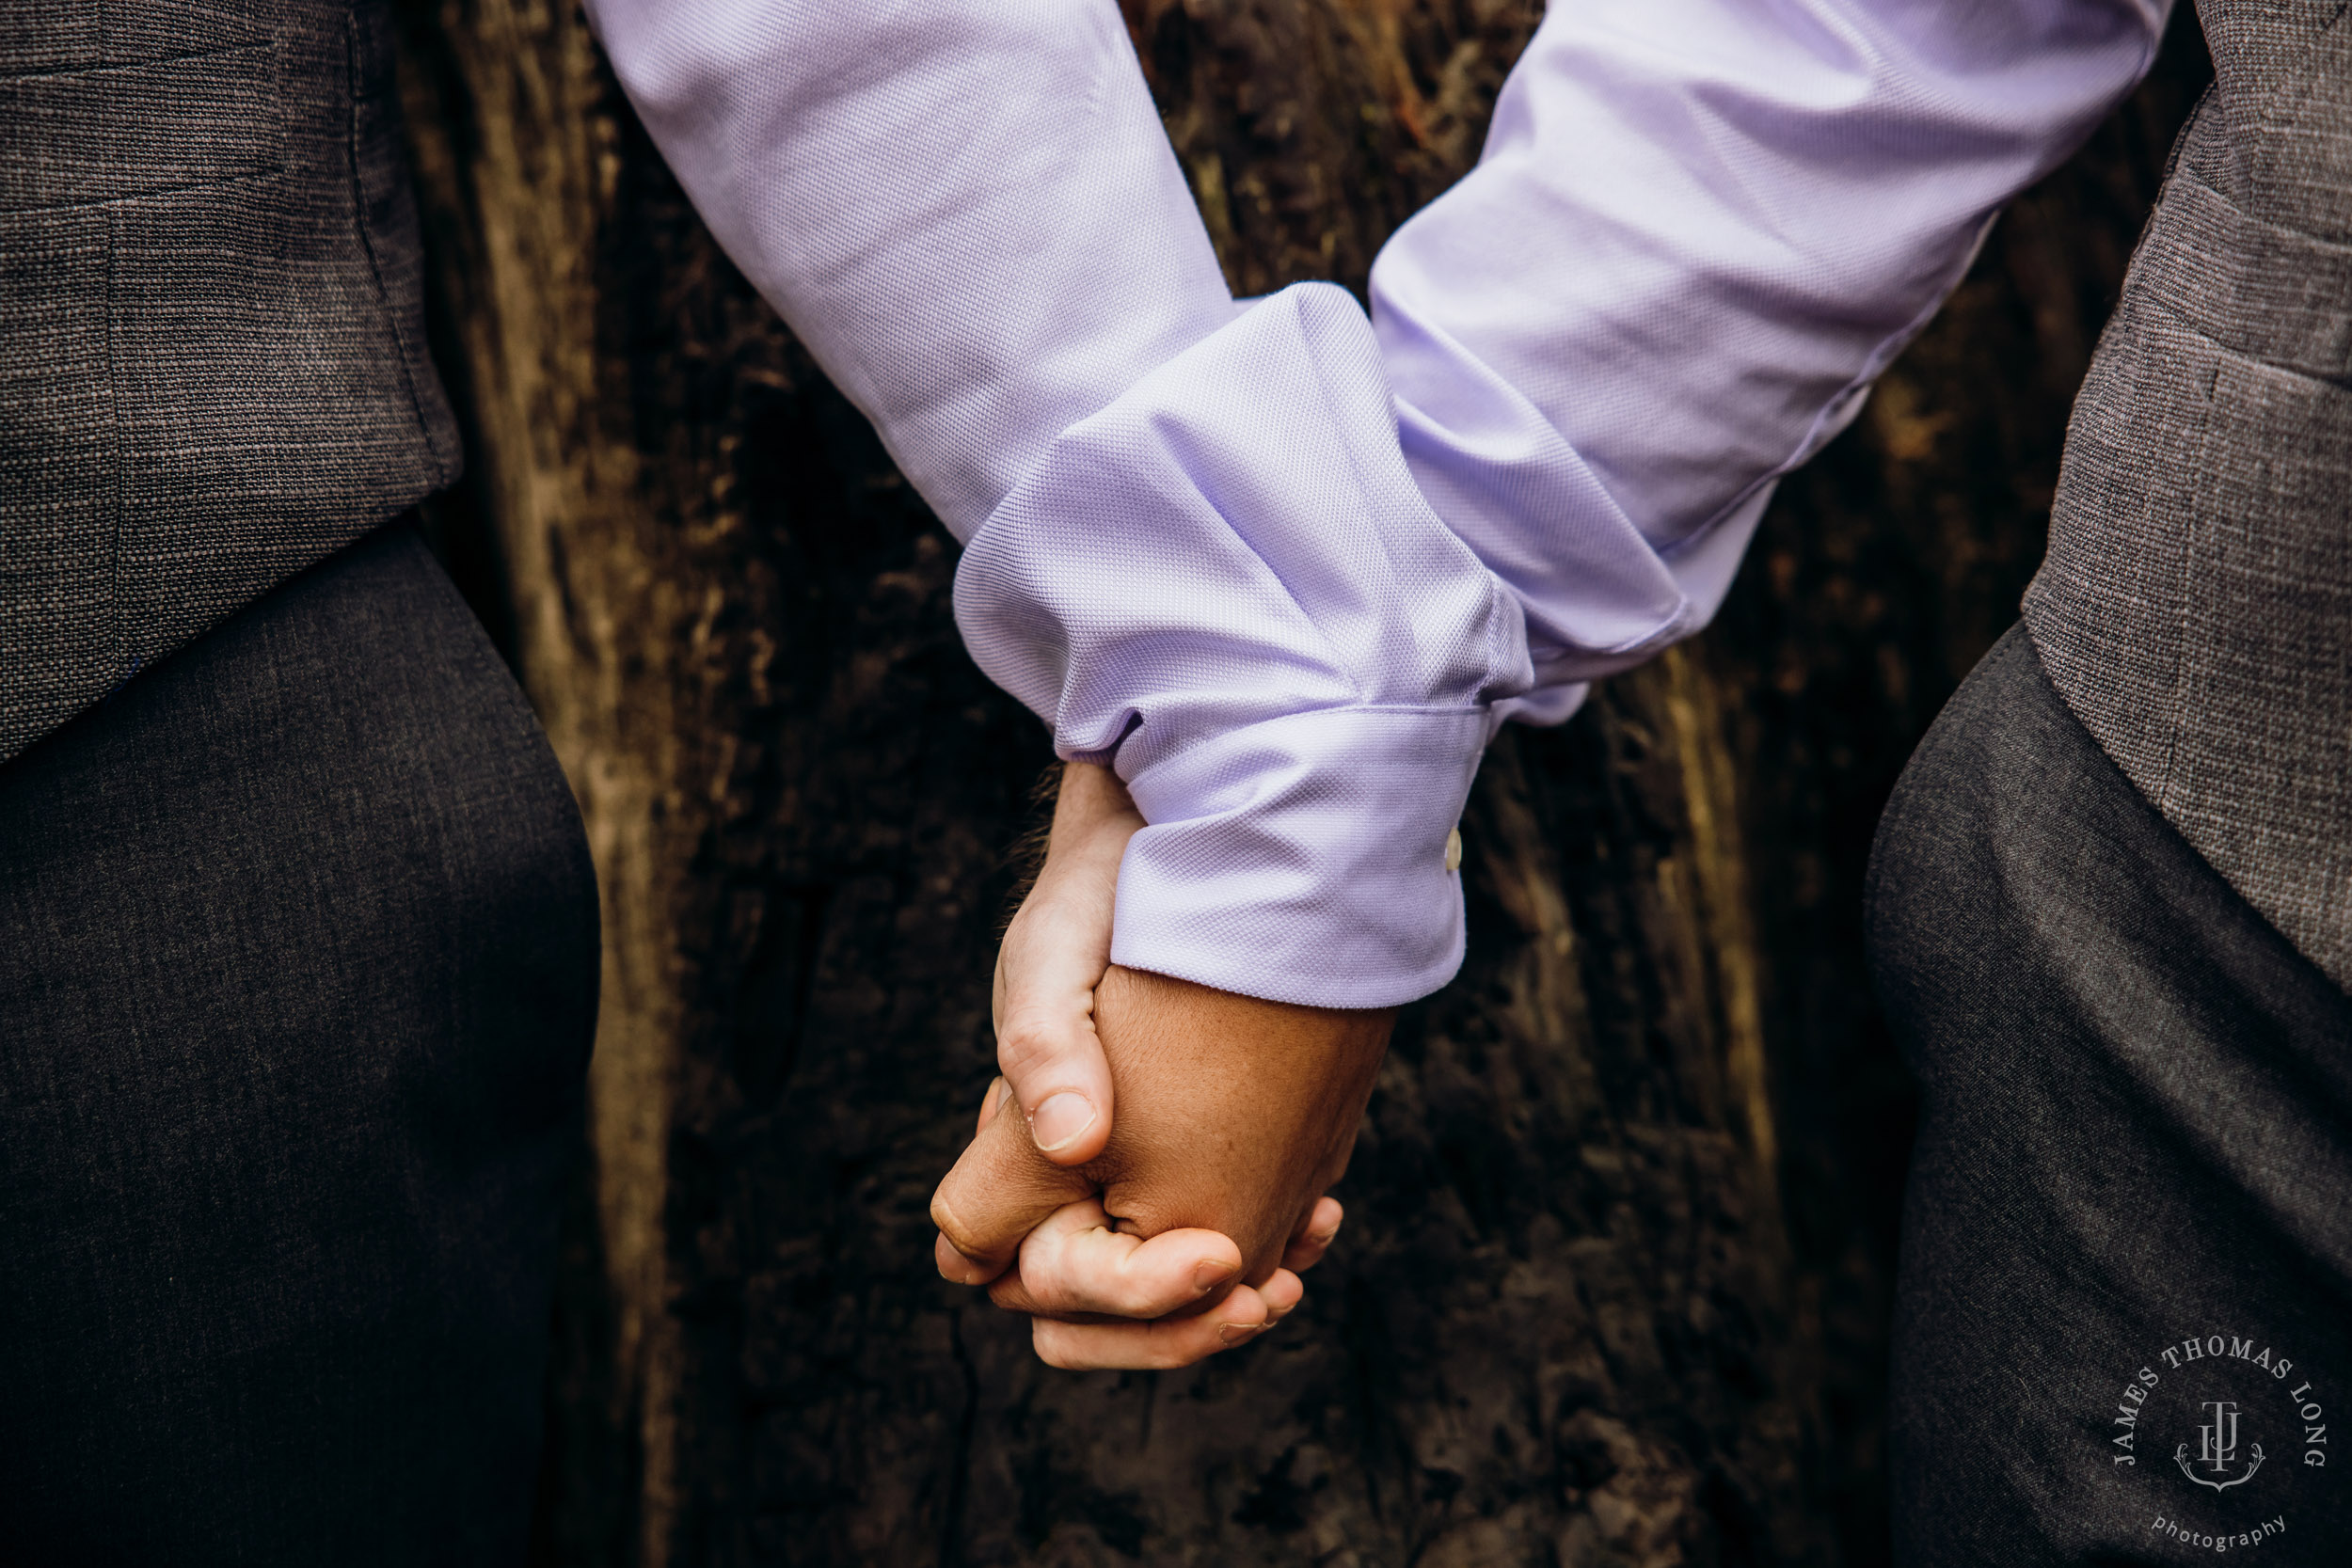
2196, 606
212, 357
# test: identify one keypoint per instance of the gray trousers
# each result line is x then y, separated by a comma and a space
297, 977
2125, 1303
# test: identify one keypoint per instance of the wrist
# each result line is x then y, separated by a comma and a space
1091, 799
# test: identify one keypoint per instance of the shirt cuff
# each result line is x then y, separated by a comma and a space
1304, 858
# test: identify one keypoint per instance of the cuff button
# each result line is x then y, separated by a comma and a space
1453, 850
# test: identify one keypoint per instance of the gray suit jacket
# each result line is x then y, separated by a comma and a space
212, 359
2196, 606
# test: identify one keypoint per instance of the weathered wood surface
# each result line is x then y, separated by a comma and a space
1613, 1284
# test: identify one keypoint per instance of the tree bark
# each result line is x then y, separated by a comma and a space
1615, 1282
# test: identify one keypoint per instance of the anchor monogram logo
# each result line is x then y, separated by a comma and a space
2217, 1446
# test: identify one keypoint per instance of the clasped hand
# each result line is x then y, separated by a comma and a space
1149, 1177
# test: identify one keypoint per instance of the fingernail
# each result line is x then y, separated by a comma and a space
1233, 1333
1061, 1120
1208, 1273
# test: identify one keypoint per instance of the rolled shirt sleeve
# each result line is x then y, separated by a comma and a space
1285, 571
1227, 581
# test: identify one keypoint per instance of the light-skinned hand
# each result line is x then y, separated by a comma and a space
1053, 952
1111, 1298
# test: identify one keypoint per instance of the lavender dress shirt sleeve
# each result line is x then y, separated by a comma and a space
1282, 568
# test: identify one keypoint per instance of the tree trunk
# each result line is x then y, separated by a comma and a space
1615, 1283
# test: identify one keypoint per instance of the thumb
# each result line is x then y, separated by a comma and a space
1048, 1051
1053, 955
999, 1191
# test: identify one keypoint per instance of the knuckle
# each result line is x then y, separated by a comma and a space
1024, 1289
959, 1236
1029, 1289
1173, 1356
1132, 1296
1025, 1043
1050, 1294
